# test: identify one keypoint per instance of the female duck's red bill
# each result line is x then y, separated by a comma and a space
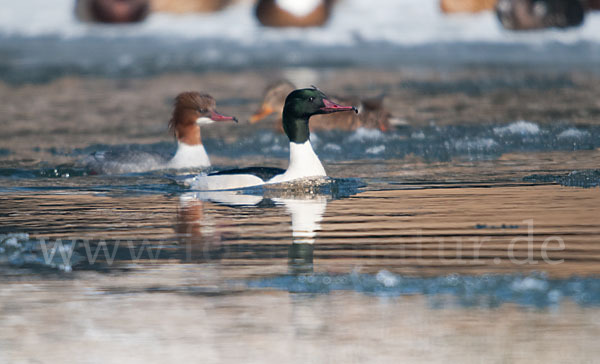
215, 116
331, 106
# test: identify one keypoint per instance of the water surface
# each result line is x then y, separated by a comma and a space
454, 237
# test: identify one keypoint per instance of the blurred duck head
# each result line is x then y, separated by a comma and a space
293, 13
189, 6
113, 11
273, 101
538, 14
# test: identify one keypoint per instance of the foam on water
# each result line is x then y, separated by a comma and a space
535, 290
573, 133
520, 127
437, 143
364, 134
18, 249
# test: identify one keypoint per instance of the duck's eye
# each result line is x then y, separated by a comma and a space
202, 111
311, 99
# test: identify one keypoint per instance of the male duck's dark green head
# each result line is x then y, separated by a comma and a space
300, 105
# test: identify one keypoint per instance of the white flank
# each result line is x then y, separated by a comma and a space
303, 163
299, 7
189, 156
223, 182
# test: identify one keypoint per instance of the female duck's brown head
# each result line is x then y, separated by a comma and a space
113, 11
191, 110
293, 13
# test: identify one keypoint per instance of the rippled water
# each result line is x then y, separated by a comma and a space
457, 241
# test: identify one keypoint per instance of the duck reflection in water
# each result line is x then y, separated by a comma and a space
203, 234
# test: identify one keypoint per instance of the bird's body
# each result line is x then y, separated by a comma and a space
299, 106
293, 13
190, 111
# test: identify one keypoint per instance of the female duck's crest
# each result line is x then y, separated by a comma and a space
191, 110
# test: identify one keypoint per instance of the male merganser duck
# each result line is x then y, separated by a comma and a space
299, 106
466, 6
191, 110
188, 6
293, 13
538, 14
112, 11
372, 113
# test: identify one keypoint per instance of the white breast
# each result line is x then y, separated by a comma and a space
299, 7
189, 156
303, 163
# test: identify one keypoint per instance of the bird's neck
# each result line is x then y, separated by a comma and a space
304, 163
189, 156
295, 127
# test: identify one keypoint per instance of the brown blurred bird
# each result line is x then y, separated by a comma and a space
592, 4
372, 114
293, 13
112, 11
189, 6
466, 6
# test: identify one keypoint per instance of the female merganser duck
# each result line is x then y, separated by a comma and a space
293, 13
188, 6
191, 110
299, 106
372, 113
112, 11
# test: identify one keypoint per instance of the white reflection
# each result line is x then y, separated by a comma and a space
199, 231
307, 215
